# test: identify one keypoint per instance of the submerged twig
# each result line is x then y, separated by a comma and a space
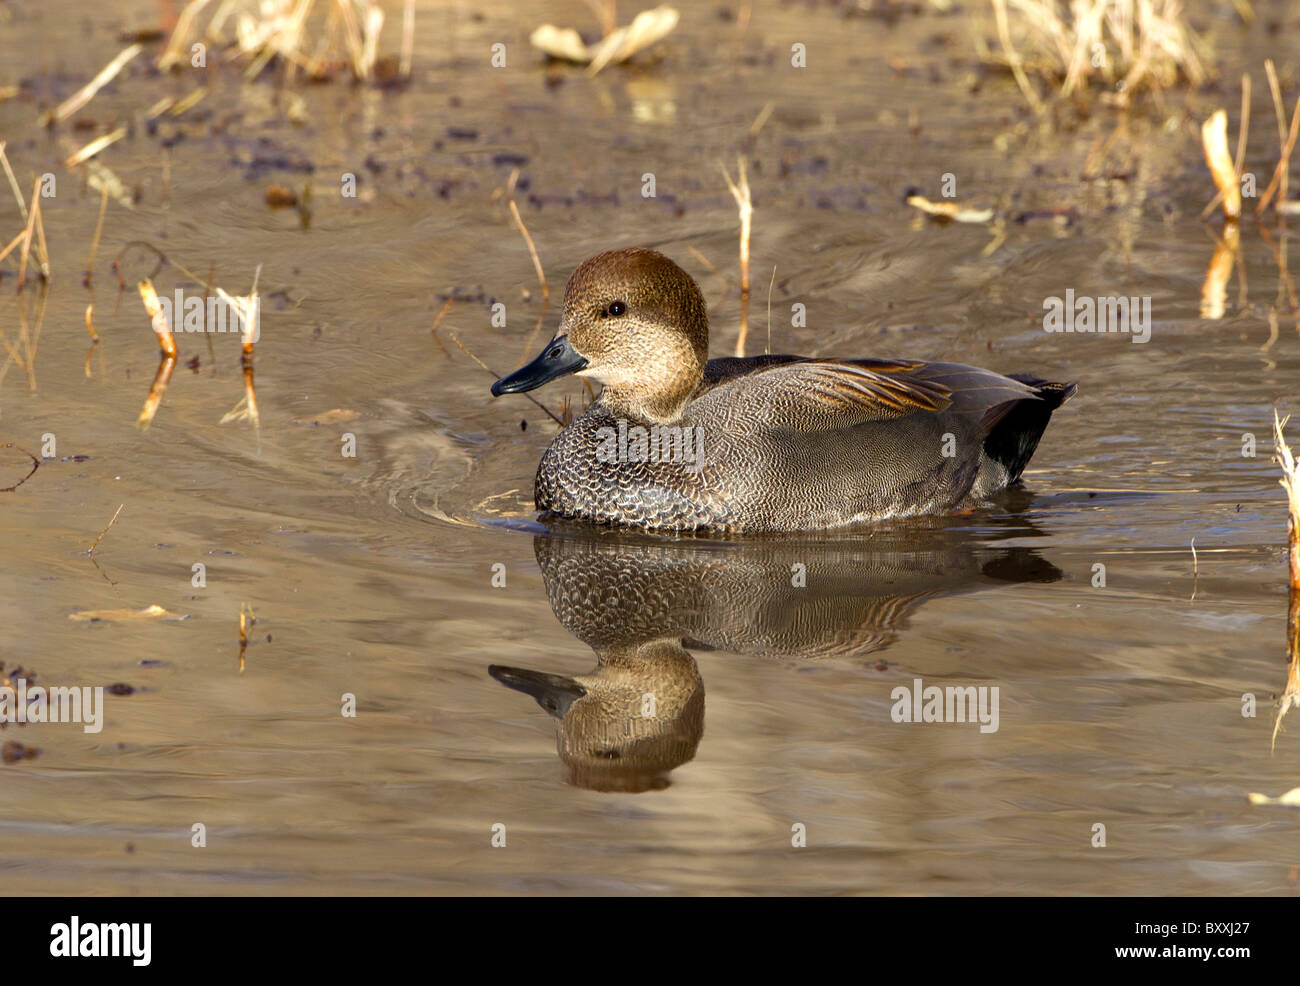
36, 464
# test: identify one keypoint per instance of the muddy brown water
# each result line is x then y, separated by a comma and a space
373, 575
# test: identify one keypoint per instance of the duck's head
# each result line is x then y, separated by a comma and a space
637, 323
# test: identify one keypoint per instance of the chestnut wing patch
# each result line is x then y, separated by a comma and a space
827, 394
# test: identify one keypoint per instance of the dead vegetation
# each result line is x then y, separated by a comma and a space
317, 41
1121, 47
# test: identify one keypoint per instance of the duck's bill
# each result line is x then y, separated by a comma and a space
558, 358
553, 692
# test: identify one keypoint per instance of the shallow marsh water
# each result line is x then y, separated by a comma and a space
372, 575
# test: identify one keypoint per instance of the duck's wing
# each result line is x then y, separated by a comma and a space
827, 394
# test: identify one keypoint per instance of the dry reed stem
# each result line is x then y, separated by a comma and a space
408, 38
1290, 482
94, 242
157, 318
42, 248
91, 549
1279, 180
246, 619
94, 147
1214, 139
20, 238
528, 239
248, 309
1244, 129
745, 207
173, 52
87, 92
13, 181
94, 338
27, 237
167, 361
1013, 56
761, 119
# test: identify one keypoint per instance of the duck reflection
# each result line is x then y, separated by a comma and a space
642, 606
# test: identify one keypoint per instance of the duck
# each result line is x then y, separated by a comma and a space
678, 442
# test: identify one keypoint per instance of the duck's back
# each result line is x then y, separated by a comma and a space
791, 443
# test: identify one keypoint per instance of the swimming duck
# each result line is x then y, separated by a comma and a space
677, 441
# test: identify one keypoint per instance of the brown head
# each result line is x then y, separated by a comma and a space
637, 323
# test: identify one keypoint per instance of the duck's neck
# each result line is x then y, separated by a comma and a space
662, 406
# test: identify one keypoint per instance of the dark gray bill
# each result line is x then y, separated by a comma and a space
553, 692
557, 359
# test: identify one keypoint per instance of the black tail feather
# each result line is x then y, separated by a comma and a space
1014, 437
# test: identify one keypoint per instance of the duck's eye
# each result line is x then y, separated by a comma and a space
616, 308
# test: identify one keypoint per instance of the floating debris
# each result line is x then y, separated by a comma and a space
335, 416
154, 612
13, 751
615, 47
949, 210
279, 197
1289, 800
